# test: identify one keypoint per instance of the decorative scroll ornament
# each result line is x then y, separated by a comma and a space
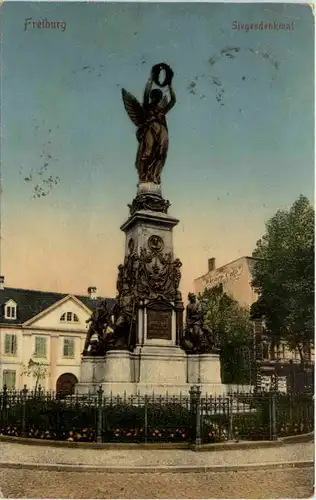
159, 275
150, 274
149, 202
155, 243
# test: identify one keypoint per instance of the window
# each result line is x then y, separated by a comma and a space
40, 347
278, 351
69, 348
10, 344
10, 310
265, 346
9, 379
70, 317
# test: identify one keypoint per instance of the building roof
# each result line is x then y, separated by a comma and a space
32, 302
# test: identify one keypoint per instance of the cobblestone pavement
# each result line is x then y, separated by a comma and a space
285, 483
19, 453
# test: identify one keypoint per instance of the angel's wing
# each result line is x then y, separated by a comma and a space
133, 108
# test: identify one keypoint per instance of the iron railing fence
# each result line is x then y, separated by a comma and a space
155, 418
294, 413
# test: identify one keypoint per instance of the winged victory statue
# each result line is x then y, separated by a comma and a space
150, 120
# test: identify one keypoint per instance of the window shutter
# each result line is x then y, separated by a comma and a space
14, 344
10, 343
40, 347
7, 343
9, 379
65, 347
68, 347
71, 347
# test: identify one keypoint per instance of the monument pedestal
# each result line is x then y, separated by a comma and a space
92, 371
162, 365
204, 369
157, 369
149, 300
118, 367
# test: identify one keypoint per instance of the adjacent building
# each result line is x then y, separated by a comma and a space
235, 277
236, 280
46, 327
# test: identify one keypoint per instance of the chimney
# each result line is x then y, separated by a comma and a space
1, 282
211, 264
92, 292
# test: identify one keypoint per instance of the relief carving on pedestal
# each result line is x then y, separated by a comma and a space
150, 274
155, 243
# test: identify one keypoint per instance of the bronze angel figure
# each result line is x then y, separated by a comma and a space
152, 130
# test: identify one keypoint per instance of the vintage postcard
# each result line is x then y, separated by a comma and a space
157, 250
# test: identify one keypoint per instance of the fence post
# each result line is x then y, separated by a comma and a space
57, 400
24, 394
273, 416
195, 408
3, 407
99, 415
230, 417
146, 418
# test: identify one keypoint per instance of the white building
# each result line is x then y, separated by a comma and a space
47, 327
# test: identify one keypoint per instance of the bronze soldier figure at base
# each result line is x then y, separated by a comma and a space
99, 321
197, 337
124, 327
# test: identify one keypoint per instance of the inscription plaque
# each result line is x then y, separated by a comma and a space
159, 324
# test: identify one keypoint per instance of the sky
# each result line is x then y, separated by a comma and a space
241, 133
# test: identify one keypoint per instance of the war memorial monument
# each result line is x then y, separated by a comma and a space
144, 344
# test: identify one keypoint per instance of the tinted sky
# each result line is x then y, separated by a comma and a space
241, 134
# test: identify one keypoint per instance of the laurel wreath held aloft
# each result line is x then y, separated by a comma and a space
155, 74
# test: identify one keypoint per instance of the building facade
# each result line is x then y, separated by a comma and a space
47, 328
235, 277
274, 358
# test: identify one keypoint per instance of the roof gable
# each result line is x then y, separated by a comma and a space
56, 316
10, 303
31, 303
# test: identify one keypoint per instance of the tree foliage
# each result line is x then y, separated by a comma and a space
231, 326
283, 275
36, 370
225, 317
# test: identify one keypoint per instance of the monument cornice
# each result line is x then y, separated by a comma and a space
150, 217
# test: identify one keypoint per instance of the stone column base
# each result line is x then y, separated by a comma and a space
204, 369
162, 365
118, 366
92, 369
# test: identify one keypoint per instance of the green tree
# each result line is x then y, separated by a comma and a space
283, 275
231, 326
36, 370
